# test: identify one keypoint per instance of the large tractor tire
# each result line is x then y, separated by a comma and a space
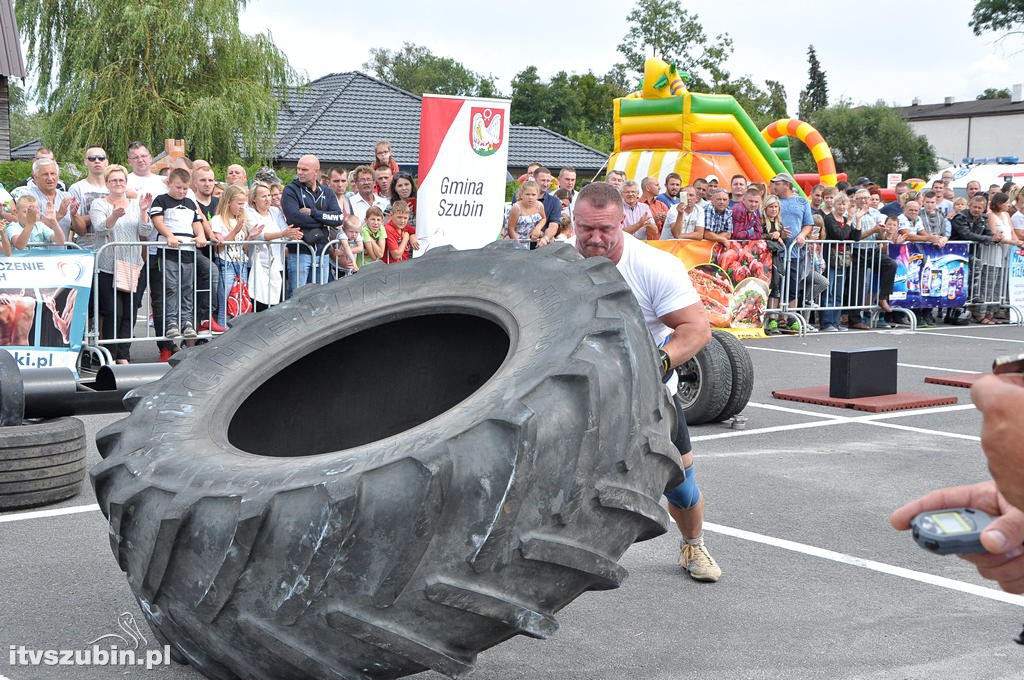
741, 369
705, 383
41, 462
395, 471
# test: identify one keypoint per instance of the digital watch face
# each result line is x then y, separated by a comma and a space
951, 523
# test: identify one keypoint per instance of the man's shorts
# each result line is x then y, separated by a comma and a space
682, 435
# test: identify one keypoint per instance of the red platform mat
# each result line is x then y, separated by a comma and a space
889, 402
955, 379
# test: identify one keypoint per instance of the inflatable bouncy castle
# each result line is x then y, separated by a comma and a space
665, 128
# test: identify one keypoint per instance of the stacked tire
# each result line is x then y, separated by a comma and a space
282, 513
716, 383
41, 462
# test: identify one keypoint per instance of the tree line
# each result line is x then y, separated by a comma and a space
217, 87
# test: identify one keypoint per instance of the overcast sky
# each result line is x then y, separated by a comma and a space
881, 50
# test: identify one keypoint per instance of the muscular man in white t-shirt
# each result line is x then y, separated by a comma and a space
677, 322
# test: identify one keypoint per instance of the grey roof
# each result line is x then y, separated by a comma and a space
26, 151
968, 109
11, 62
340, 117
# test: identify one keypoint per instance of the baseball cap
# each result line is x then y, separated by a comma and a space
862, 181
784, 177
711, 178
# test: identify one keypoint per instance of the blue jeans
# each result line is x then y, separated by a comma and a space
299, 271
228, 271
833, 295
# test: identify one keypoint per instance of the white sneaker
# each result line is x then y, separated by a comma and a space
698, 562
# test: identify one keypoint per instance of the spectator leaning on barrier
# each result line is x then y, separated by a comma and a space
670, 197
365, 196
986, 260
313, 210
685, 219
140, 179
738, 187
374, 235
795, 214
717, 216
266, 263
616, 178
237, 175
230, 224
115, 218
552, 206
404, 189
649, 191
678, 325
746, 217
176, 217
33, 227
87, 190
526, 219
46, 189
636, 218
838, 227
401, 236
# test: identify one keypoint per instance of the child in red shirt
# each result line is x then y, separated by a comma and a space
401, 236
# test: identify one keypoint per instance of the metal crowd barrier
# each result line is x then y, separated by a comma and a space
990, 279
264, 259
848, 280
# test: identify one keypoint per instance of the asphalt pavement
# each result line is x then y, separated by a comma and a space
815, 583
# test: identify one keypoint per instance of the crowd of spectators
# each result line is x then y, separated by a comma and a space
220, 248
213, 249
853, 269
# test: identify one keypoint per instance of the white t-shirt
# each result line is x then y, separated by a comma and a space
1017, 220
659, 282
690, 222
152, 184
86, 193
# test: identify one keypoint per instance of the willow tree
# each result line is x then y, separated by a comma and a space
112, 72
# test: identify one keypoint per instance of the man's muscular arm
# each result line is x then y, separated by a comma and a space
690, 332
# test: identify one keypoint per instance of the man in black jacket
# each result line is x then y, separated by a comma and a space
311, 208
986, 256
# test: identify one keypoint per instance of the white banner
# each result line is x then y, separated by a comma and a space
463, 166
1016, 278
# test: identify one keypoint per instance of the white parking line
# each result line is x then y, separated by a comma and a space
828, 356
892, 570
56, 512
979, 337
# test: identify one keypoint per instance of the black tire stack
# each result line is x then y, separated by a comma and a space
716, 384
282, 513
41, 462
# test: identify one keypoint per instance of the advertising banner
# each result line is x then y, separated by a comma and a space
44, 306
731, 278
929, 276
463, 165
1015, 294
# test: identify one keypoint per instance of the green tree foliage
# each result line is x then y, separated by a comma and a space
994, 93
815, 95
112, 72
997, 15
25, 125
871, 141
578, 106
662, 28
416, 69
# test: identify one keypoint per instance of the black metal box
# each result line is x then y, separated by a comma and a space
865, 372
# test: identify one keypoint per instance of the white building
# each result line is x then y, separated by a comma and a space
984, 128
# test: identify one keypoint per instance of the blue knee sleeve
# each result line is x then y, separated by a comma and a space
686, 495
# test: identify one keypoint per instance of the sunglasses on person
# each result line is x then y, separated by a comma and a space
95, 158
